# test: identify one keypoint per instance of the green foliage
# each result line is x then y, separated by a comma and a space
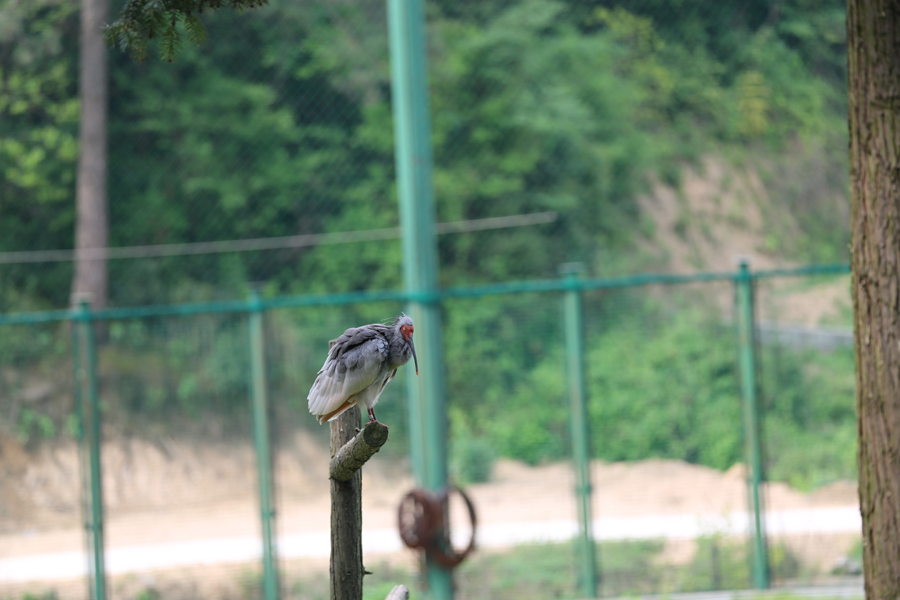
148, 593
680, 374
718, 564
33, 425
282, 126
539, 571
38, 143
383, 579
631, 567
856, 551
46, 595
784, 564
505, 354
521, 127
471, 457
808, 397
250, 583
662, 382
34, 382
156, 370
376, 585
722, 563
550, 570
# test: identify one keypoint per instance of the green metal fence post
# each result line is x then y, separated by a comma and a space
580, 428
412, 134
261, 443
753, 443
85, 364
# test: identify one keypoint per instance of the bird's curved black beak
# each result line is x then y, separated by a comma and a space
413, 348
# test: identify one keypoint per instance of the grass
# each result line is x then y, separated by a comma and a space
535, 572
542, 571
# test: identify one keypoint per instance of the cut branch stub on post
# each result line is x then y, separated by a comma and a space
354, 454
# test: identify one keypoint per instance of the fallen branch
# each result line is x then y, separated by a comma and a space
354, 454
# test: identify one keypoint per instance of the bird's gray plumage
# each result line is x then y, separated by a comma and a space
360, 363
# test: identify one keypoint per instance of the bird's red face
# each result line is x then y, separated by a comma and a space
406, 331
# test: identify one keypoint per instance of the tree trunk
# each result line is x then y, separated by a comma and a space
91, 229
873, 42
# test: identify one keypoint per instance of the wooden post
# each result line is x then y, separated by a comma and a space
346, 569
349, 451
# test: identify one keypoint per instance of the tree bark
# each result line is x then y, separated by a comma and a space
91, 228
873, 42
346, 518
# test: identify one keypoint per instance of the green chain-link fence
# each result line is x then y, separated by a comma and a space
666, 412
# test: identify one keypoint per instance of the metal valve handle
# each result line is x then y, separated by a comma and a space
421, 522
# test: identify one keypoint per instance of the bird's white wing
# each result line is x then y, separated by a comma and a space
353, 364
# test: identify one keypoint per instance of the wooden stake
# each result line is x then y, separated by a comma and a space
346, 518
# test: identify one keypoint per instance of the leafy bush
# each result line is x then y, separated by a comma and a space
471, 459
662, 382
33, 425
810, 424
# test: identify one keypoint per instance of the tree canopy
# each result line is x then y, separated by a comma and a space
283, 126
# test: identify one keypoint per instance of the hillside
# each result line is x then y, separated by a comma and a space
723, 210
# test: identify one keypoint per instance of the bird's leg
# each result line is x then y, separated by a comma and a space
372, 418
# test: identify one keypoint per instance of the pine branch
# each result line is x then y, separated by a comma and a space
171, 41
142, 20
195, 29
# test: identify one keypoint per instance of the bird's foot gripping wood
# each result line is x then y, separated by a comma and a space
373, 418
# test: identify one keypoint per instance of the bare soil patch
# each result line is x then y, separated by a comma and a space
720, 213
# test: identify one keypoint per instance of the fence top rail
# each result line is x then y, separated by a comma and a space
343, 299
30, 318
830, 269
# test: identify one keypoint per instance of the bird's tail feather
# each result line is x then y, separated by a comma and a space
337, 412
